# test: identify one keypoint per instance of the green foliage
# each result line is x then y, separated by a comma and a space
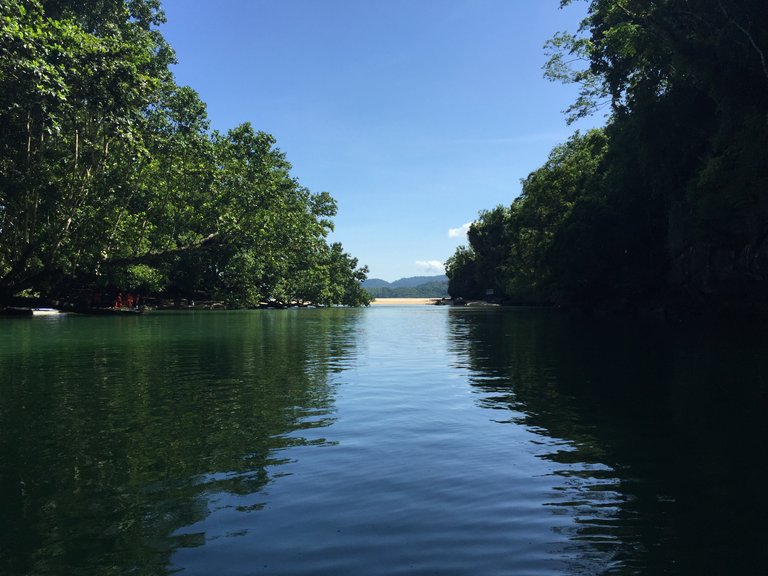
462, 271
547, 208
669, 201
109, 174
425, 290
512, 250
73, 143
568, 62
140, 278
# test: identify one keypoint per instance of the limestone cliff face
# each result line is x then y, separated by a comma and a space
722, 274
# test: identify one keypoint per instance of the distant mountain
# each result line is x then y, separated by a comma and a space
404, 282
375, 283
413, 287
417, 280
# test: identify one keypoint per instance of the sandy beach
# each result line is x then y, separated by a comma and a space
403, 301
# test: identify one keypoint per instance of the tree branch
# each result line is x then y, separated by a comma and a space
746, 33
204, 244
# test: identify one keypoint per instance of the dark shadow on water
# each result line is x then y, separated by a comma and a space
117, 432
656, 433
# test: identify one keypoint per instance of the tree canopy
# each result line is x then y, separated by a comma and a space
111, 178
668, 202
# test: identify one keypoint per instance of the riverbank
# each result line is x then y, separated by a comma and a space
429, 302
403, 301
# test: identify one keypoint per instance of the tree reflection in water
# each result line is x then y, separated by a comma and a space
116, 433
657, 433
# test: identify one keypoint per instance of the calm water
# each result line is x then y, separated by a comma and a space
405, 440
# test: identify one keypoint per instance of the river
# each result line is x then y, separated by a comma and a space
390, 440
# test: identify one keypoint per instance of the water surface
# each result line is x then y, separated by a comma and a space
402, 440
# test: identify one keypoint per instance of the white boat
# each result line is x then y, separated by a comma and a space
45, 312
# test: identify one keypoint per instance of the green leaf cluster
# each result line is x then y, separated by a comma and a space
111, 178
669, 202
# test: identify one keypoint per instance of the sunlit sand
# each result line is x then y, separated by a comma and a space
403, 301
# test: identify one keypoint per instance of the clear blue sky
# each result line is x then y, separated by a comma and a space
413, 114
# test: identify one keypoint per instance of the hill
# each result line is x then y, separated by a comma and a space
411, 287
414, 281
375, 283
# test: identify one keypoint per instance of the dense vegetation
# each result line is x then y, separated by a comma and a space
668, 204
111, 178
426, 290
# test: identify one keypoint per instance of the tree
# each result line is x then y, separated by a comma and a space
461, 269
546, 206
110, 177
688, 88
72, 147
669, 200
488, 238
515, 250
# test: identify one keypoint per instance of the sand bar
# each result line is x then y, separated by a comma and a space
403, 301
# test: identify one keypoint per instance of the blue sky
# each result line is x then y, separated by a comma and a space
413, 114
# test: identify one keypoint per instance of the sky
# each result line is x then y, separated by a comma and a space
413, 114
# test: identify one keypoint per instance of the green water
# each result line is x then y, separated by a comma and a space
404, 440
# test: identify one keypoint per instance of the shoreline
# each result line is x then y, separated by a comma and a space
405, 301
